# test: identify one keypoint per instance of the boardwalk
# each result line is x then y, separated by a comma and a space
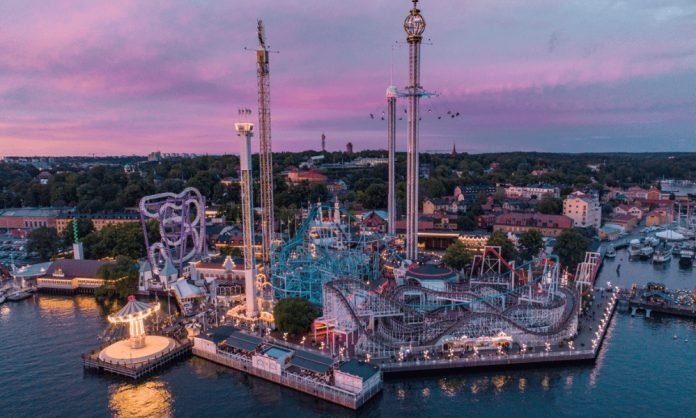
591, 332
311, 387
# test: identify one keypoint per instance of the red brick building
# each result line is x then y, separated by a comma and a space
548, 225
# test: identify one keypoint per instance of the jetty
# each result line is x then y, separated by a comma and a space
92, 361
656, 298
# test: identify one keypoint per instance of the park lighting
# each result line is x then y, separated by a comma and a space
285, 336
426, 355
134, 314
368, 357
524, 348
547, 346
303, 340
322, 345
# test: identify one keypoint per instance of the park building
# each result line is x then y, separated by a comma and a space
547, 225
99, 220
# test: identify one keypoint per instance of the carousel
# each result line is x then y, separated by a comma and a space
139, 347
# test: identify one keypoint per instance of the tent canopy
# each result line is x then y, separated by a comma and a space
670, 235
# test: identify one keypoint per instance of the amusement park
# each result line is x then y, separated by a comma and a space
379, 302
382, 303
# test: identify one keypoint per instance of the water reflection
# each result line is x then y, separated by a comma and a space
56, 305
4, 311
450, 386
146, 399
499, 382
522, 384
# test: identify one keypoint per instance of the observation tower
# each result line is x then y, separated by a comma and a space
414, 25
245, 132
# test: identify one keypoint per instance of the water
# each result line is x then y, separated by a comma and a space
642, 371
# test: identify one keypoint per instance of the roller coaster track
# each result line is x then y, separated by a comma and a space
462, 322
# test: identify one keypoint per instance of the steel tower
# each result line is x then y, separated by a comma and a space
414, 25
265, 153
392, 94
244, 130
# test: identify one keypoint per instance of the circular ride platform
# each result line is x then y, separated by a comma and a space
122, 353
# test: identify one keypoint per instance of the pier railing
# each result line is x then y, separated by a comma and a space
491, 360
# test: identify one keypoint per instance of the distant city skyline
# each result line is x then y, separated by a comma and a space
132, 77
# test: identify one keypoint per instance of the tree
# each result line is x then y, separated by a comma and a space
530, 243
122, 277
84, 227
114, 240
457, 255
231, 251
550, 205
500, 239
571, 246
294, 315
43, 241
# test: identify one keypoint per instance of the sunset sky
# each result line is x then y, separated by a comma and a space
130, 77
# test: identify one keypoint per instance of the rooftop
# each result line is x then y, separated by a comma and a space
430, 272
75, 268
310, 361
358, 368
242, 341
36, 212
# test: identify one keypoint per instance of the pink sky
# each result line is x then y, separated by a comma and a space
130, 77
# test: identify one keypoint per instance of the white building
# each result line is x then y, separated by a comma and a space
531, 192
583, 209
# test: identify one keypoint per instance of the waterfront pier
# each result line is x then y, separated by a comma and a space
347, 383
136, 370
585, 347
655, 298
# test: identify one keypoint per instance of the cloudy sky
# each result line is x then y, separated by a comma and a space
127, 76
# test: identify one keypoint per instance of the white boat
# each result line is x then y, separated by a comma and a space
646, 252
611, 252
18, 295
661, 257
686, 258
634, 248
2, 299
676, 250
652, 241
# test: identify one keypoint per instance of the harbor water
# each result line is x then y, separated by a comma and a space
642, 371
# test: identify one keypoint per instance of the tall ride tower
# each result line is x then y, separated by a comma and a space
265, 153
244, 130
414, 25
392, 94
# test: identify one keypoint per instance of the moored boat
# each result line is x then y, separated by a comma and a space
18, 295
611, 252
634, 248
661, 256
686, 258
646, 252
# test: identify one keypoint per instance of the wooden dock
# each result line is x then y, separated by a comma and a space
310, 387
91, 361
